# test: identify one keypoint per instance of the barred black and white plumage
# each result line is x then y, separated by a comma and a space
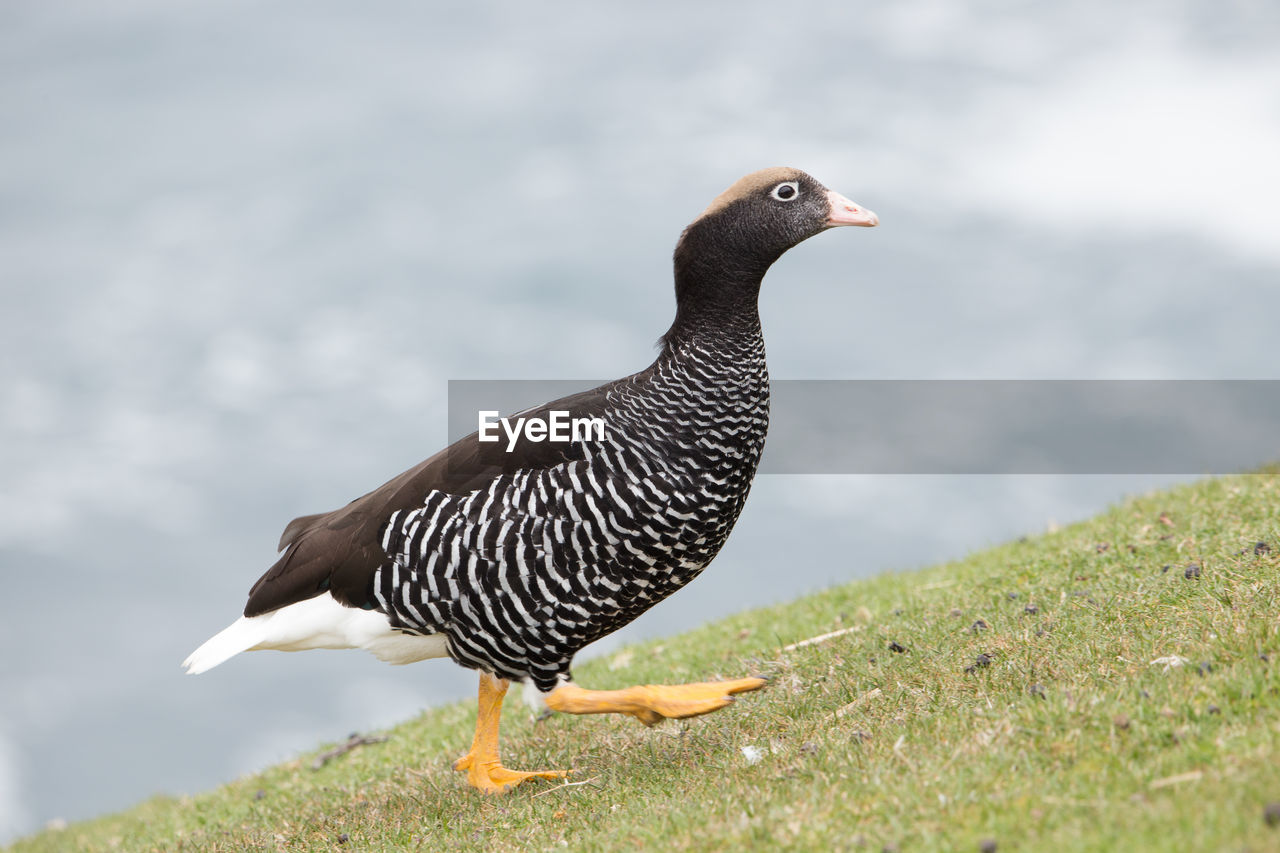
525, 572
511, 560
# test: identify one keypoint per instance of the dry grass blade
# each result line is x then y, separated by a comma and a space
821, 638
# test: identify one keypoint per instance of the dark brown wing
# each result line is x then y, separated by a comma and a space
339, 551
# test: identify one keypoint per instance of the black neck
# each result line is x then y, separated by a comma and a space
717, 286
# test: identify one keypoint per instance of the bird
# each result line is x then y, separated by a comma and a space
510, 557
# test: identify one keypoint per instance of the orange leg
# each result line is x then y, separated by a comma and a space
484, 768
651, 703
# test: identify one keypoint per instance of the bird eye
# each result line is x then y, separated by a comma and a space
785, 191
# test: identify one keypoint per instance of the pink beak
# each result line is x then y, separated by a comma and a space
845, 212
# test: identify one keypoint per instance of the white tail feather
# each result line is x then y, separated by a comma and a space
240, 636
317, 623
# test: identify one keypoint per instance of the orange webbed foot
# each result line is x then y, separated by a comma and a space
490, 777
678, 701
652, 703
484, 769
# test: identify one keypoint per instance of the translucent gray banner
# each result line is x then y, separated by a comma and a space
1190, 427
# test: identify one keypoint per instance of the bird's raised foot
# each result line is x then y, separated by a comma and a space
490, 777
677, 701
652, 703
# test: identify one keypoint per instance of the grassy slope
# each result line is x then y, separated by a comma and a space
861, 745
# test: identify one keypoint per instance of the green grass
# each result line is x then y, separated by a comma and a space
1070, 739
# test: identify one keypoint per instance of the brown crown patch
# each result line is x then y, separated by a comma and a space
750, 185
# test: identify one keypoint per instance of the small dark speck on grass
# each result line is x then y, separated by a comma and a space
1103, 547
896, 647
987, 845
1037, 690
259, 794
1271, 814
1031, 610
1214, 709
1191, 571
1013, 596
980, 625
809, 747
344, 838
1261, 548
1205, 667
979, 662
1264, 657
1164, 570
1121, 722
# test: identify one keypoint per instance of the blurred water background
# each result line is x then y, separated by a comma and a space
243, 247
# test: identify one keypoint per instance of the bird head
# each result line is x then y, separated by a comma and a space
762, 215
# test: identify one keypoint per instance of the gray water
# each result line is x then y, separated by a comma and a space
245, 246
